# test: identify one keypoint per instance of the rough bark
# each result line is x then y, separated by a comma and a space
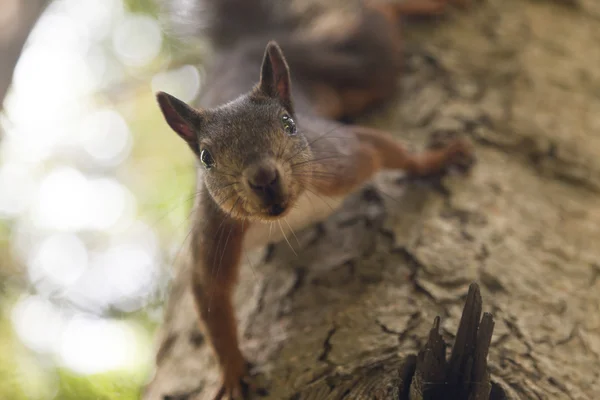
353, 309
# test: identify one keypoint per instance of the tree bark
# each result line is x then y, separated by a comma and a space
17, 20
347, 316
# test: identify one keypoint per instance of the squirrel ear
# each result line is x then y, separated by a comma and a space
275, 75
183, 119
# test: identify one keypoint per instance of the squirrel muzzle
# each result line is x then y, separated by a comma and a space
267, 187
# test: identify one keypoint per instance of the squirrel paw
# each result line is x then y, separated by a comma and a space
237, 385
459, 152
460, 155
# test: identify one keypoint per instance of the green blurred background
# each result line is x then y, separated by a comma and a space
95, 191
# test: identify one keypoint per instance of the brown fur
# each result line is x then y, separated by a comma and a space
212, 285
250, 137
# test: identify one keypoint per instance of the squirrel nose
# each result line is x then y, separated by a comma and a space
263, 177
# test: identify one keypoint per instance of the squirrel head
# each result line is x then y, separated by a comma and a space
256, 159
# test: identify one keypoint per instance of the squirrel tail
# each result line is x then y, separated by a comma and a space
224, 21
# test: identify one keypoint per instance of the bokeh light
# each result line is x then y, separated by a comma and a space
60, 260
137, 40
105, 136
90, 254
91, 345
16, 188
183, 83
38, 323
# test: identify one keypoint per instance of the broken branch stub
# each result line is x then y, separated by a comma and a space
428, 376
465, 376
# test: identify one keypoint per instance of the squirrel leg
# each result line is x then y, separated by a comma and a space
379, 150
393, 155
213, 281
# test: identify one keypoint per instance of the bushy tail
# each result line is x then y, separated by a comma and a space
225, 21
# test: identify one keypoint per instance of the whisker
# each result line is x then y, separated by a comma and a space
318, 160
311, 202
224, 251
191, 230
320, 197
226, 186
318, 156
281, 150
246, 253
333, 129
286, 142
176, 206
321, 151
225, 200
192, 197
286, 239
313, 181
224, 173
215, 271
183, 243
323, 135
316, 174
311, 142
310, 179
270, 229
293, 233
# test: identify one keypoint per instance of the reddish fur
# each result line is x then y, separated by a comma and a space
335, 102
212, 289
378, 150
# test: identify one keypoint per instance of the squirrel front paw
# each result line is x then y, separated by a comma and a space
459, 153
236, 383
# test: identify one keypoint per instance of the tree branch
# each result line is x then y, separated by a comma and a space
524, 226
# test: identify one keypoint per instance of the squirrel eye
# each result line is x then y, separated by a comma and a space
206, 159
288, 124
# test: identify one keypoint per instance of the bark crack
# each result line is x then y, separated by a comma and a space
324, 356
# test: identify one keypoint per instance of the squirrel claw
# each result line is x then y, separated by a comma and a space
460, 155
231, 392
459, 152
238, 388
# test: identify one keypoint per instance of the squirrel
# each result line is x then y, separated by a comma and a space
270, 142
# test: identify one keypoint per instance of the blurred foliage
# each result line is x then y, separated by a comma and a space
161, 163
112, 386
142, 6
25, 375
158, 171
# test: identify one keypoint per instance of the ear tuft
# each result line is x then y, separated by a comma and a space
275, 75
183, 119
